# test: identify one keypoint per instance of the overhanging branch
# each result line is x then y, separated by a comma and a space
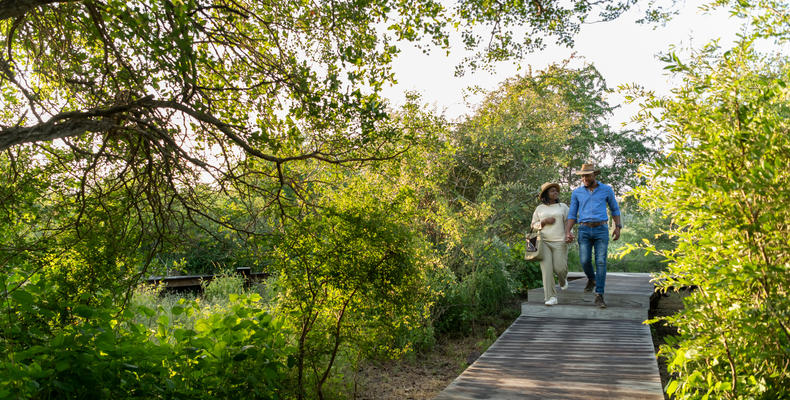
67, 124
51, 130
17, 8
76, 123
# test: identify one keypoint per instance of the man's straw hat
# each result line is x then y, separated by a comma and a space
588, 169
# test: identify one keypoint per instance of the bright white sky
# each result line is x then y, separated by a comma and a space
623, 51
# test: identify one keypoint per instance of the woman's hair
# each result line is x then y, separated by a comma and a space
544, 197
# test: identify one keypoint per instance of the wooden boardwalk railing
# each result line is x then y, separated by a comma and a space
573, 350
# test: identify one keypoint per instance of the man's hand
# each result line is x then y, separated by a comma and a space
616, 233
547, 221
568, 226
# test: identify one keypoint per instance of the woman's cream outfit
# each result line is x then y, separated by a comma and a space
555, 250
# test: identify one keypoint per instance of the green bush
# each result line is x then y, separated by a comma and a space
525, 273
725, 185
351, 278
222, 286
640, 225
79, 351
486, 289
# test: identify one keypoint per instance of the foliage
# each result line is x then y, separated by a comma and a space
222, 287
495, 274
143, 134
350, 280
165, 94
724, 184
640, 225
53, 226
533, 129
98, 351
474, 274
219, 237
502, 40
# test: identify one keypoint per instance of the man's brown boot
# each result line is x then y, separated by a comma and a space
599, 301
590, 285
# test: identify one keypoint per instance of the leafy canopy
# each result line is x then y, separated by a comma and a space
150, 100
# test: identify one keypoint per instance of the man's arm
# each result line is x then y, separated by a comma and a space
613, 206
572, 211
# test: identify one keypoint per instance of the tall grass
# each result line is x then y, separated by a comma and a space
218, 294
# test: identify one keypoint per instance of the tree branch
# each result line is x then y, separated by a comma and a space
51, 130
17, 8
67, 124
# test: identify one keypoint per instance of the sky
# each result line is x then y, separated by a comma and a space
624, 52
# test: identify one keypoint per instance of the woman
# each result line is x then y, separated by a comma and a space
549, 218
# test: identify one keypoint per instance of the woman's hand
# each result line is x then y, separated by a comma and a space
547, 221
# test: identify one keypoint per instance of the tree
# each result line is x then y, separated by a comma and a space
723, 183
175, 84
150, 100
351, 280
536, 128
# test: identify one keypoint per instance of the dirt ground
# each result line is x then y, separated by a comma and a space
422, 378
428, 374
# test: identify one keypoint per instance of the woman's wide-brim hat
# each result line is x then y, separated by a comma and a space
588, 169
546, 186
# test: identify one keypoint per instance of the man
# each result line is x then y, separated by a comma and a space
588, 207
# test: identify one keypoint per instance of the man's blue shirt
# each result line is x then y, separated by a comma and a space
591, 207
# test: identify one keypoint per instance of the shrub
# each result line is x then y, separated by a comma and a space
352, 283
222, 286
485, 289
77, 351
725, 185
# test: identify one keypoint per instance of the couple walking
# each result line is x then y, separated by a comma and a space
554, 220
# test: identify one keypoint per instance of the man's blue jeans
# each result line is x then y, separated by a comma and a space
594, 238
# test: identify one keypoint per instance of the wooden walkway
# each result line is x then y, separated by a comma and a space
572, 350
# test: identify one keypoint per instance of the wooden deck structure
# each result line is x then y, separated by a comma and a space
192, 283
573, 350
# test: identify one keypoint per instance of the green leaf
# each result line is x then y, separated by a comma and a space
147, 311
62, 365
84, 311
23, 297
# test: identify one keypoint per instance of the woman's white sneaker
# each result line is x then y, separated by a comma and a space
551, 302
